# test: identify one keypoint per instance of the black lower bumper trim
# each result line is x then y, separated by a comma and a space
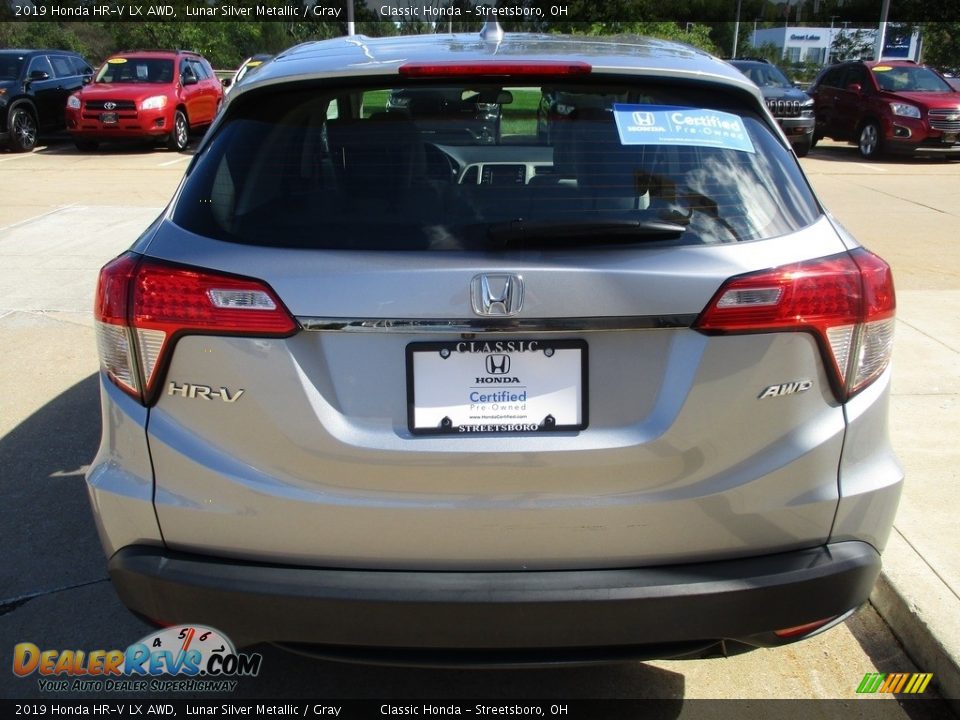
500, 659
927, 147
727, 599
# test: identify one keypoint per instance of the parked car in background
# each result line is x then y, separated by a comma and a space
792, 107
452, 115
618, 394
247, 67
891, 106
159, 95
954, 81
34, 86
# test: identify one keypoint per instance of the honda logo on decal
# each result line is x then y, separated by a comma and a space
499, 295
644, 119
498, 364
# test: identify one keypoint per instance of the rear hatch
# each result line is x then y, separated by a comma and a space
363, 348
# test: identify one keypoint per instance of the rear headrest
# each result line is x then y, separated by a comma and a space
564, 150
383, 150
602, 161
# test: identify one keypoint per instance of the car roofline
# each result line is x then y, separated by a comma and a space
362, 57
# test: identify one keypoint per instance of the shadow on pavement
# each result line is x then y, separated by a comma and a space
873, 636
849, 153
46, 528
288, 675
130, 147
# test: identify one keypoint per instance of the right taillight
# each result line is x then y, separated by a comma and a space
846, 301
144, 305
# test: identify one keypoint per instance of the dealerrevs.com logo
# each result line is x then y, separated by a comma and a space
184, 658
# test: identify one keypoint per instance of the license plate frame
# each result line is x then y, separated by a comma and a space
109, 118
550, 374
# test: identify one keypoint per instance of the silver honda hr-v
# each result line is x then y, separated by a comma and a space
495, 347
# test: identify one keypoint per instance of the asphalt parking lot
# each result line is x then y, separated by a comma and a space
65, 213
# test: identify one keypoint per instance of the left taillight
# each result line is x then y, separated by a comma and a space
144, 305
846, 301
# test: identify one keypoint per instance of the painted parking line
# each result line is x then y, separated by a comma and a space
50, 263
38, 217
871, 167
174, 162
15, 156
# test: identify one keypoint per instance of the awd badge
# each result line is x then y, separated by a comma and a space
789, 388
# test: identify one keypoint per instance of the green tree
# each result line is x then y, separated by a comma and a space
941, 45
43, 35
688, 33
765, 51
850, 45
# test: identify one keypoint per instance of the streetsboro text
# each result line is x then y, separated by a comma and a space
481, 11
477, 709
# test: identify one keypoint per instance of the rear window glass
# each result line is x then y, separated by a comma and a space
493, 166
763, 75
80, 67
61, 66
10, 66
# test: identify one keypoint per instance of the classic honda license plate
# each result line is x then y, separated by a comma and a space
496, 386
109, 118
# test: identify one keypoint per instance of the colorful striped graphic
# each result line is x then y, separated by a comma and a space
904, 683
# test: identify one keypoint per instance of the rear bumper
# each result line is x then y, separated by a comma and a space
551, 610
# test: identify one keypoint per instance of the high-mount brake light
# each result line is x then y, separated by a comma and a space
846, 301
493, 68
143, 306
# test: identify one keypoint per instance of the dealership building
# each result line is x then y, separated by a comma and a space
812, 44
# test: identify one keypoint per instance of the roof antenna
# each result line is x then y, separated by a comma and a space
491, 32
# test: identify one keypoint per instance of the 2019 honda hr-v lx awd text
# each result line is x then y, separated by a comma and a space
376, 386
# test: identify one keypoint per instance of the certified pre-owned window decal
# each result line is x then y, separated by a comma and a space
671, 125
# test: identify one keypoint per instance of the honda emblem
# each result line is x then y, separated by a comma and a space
499, 295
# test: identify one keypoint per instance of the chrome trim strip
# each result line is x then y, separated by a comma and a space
506, 325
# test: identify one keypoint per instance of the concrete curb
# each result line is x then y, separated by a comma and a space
923, 613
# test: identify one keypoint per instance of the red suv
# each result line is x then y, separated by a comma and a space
887, 106
162, 94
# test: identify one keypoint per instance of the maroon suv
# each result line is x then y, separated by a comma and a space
161, 95
887, 106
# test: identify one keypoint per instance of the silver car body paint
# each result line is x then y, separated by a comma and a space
316, 466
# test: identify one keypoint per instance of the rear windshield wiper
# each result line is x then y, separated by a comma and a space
697, 202
547, 232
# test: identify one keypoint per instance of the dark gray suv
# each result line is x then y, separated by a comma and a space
34, 87
618, 391
792, 107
